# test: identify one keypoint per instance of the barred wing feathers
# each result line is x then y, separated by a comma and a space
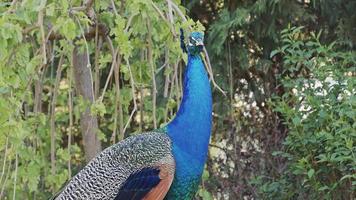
139, 167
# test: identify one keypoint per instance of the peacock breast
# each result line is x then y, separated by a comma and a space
187, 175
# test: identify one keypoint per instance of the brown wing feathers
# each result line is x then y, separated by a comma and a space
166, 176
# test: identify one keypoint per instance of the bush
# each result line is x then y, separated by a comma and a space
318, 108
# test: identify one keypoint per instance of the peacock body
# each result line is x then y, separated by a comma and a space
164, 164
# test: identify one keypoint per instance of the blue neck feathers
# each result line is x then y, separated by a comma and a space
190, 129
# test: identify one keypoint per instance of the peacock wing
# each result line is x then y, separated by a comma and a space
149, 183
139, 167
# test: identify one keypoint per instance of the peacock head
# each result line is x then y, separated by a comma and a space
195, 43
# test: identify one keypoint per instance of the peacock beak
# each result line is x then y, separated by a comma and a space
199, 43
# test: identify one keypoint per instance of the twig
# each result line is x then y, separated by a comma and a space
6, 179
5, 156
15, 178
169, 96
40, 24
114, 54
129, 21
70, 108
218, 147
170, 16
158, 10
77, 9
150, 60
166, 81
207, 61
210, 71
230, 80
118, 105
114, 7
37, 107
132, 82
169, 2
163, 17
117, 90
141, 109
162, 67
141, 92
98, 42
177, 85
29, 29
53, 112
88, 57
180, 80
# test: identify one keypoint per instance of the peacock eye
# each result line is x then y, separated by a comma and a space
192, 40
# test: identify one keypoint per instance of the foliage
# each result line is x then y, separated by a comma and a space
319, 108
135, 57
241, 37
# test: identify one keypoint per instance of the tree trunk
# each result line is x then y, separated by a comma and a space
84, 88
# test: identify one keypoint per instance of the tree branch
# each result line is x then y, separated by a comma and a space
53, 112
43, 39
101, 30
150, 60
84, 88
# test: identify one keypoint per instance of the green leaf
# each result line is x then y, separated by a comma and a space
205, 175
352, 176
349, 143
274, 52
67, 27
311, 173
171, 104
98, 108
205, 195
324, 188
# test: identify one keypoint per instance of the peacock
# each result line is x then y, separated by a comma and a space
166, 163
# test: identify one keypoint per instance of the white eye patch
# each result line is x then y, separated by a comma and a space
192, 39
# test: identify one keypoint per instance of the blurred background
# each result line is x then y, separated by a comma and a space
78, 76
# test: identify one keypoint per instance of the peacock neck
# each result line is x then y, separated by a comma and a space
190, 129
